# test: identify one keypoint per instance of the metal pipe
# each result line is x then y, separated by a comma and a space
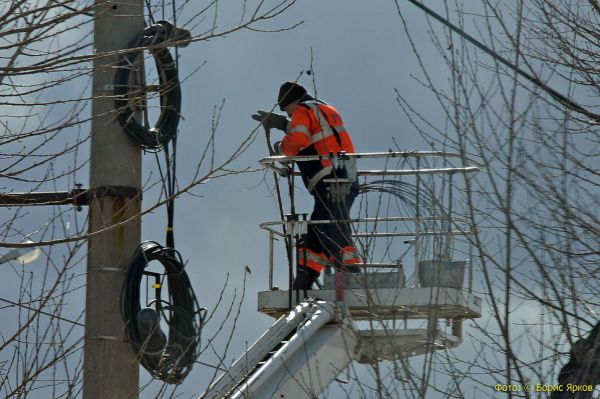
447, 250
265, 225
43, 198
394, 172
402, 172
366, 155
271, 238
355, 235
420, 233
417, 225
291, 230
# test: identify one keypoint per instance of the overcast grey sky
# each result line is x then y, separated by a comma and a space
358, 54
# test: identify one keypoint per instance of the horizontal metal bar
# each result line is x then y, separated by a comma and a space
393, 172
409, 234
77, 197
43, 198
430, 171
456, 220
268, 228
379, 265
471, 166
371, 155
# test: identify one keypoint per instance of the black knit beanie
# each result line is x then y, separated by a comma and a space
288, 93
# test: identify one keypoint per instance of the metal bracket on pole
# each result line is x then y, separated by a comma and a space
78, 196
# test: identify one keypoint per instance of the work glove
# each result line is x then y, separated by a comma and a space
271, 120
277, 148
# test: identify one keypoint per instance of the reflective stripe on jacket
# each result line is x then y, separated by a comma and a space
316, 128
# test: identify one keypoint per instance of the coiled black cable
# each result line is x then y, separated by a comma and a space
126, 95
167, 359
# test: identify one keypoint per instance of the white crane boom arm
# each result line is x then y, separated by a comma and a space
296, 358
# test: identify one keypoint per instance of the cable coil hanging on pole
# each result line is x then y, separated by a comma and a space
169, 358
127, 96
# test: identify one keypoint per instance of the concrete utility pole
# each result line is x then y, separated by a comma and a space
111, 368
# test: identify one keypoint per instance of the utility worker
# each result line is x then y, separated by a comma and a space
316, 128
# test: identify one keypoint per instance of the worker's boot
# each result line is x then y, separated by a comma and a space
305, 278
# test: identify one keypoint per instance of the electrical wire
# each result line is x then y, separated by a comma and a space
566, 101
181, 312
407, 195
172, 163
165, 128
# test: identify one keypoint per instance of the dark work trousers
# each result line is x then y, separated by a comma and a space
329, 239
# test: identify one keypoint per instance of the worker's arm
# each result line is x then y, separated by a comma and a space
298, 136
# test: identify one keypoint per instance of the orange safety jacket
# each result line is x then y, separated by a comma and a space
316, 128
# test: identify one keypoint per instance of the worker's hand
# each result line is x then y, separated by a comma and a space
277, 148
271, 120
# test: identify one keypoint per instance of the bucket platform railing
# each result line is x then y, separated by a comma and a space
383, 291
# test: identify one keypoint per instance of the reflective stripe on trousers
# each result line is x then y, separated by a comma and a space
311, 259
349, 256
